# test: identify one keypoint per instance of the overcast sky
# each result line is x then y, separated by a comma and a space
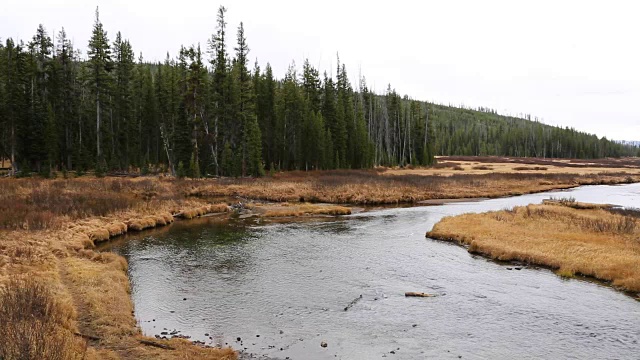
571, 63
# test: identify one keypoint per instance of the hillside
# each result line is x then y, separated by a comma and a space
470, 132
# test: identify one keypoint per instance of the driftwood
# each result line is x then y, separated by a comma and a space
418, 294
353, 302
155, 344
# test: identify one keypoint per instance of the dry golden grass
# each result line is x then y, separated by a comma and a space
91, 289
304, 209
384, 186
48, 229
452, 165
191, 213
35, 324
590, 241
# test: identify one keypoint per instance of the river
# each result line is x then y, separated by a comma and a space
282, 289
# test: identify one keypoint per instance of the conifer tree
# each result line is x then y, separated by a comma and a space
100, 66
59, 111
266, 113
218, 50
251, 139
123, 103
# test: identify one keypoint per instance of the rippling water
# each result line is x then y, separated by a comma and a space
289, 283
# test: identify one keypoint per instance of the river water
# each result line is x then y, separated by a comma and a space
282, 289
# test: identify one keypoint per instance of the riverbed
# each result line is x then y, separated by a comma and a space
282, 288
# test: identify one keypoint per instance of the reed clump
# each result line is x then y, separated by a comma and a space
594, 241
191, 213
305, 209
34, 324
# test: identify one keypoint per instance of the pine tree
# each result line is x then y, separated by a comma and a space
3, 116
100, 65
217, 48
251, 144
33, 134
124, 120
16, 101
58, 111
68, 93
195, 97
266, 113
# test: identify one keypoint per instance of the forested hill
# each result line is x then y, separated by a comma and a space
461, 131
209, 112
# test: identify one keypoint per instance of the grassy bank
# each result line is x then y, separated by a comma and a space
60, 299
49, 229
573, 238
394, 187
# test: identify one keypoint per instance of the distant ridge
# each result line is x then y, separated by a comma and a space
629, 142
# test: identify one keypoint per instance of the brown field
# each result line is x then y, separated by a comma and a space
572, 238
49, 229
410, 186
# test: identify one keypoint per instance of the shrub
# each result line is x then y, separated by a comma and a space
194, 168
181, 172
33, 323
482, 167
101, 168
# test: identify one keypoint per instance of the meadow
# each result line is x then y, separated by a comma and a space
53, 280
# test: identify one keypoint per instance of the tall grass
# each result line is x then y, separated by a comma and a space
33, 325
379, 187
37, 204
588, 240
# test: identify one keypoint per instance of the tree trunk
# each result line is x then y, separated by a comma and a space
13, 150
98, 125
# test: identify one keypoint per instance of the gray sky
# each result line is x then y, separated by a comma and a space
571, 63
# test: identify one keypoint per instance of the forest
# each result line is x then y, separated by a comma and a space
210, 112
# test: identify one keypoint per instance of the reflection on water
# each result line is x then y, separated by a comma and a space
289, 284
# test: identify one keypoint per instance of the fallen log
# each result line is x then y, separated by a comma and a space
417, 294
353, 302
155, 344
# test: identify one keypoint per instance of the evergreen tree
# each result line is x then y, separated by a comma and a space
59, 111
123, 104
100, 65
218, 50
266, 113
251, 147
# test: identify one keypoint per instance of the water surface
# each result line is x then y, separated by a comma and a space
290, 282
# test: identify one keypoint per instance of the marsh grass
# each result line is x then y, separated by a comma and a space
33, 324
49, 228
628, 162
381, 187
586, 240
304, 209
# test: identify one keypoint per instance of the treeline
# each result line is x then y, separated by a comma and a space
460, 131
208, 113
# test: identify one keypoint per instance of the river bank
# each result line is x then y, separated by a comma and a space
289, 282
49, 229
569, 237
